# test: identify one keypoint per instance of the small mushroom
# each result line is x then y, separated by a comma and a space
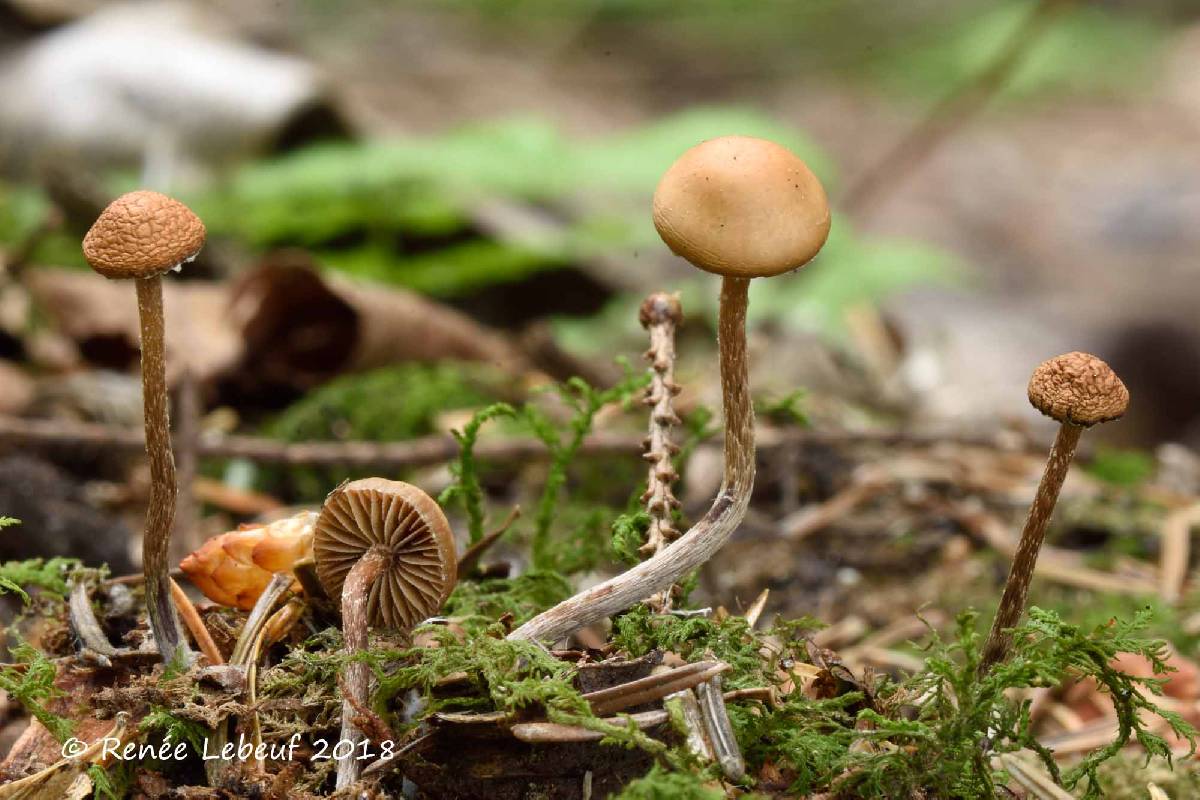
1079, 391
141, 235
386, 549
741, 208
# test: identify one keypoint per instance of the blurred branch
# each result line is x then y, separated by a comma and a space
963, 104
49, 435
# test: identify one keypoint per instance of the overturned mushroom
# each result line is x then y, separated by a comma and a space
386, 549
141, 235
1079, 391
741, 208
234, 568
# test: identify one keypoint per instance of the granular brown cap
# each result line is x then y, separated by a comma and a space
1079, 389
411, 530
142, 234
742, 207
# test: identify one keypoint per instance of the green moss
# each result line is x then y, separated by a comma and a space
30, 681
49, 575
480, 603
389, 404
585, 402
466, 489
662, 784
1121, 467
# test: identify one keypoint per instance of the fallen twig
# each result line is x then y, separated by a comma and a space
425, 451
1175, 551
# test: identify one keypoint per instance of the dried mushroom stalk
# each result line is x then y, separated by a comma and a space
661, 314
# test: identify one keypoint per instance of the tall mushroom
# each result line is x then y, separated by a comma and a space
141, 235
386, 549
1079, 391
741, 208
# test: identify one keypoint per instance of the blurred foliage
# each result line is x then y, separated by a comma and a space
1121, 467
919, 49
23, 210
1087, 48
403, 211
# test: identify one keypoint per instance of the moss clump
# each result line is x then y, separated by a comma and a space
30, 681
384, 405
929, 734
663, 784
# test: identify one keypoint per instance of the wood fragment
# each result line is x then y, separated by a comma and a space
191, 618
720, 730
652, 687
756, 608
814, 518
552, 732
1031, 776
1175, 551
35, 434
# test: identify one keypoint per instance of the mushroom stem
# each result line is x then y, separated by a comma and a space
707, 536
355, 592
156, 537
1016, 588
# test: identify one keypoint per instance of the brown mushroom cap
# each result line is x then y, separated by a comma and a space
410, 527
742, 207
142, 234
1079, 389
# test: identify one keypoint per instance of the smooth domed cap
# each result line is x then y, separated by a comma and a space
742, 207
1079, 389
421, 568
142, 234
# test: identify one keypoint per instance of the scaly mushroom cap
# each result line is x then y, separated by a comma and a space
1079, 389
142, 234
742, 207
409, 525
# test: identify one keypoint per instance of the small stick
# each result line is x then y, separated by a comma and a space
47, 435
191, 618
720, 730
652, 687
1175, 551
87, 627
693, 719
470, 557
243, 651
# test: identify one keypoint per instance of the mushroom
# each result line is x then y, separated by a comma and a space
741, 208
1079, 391
141, 235
385, 548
